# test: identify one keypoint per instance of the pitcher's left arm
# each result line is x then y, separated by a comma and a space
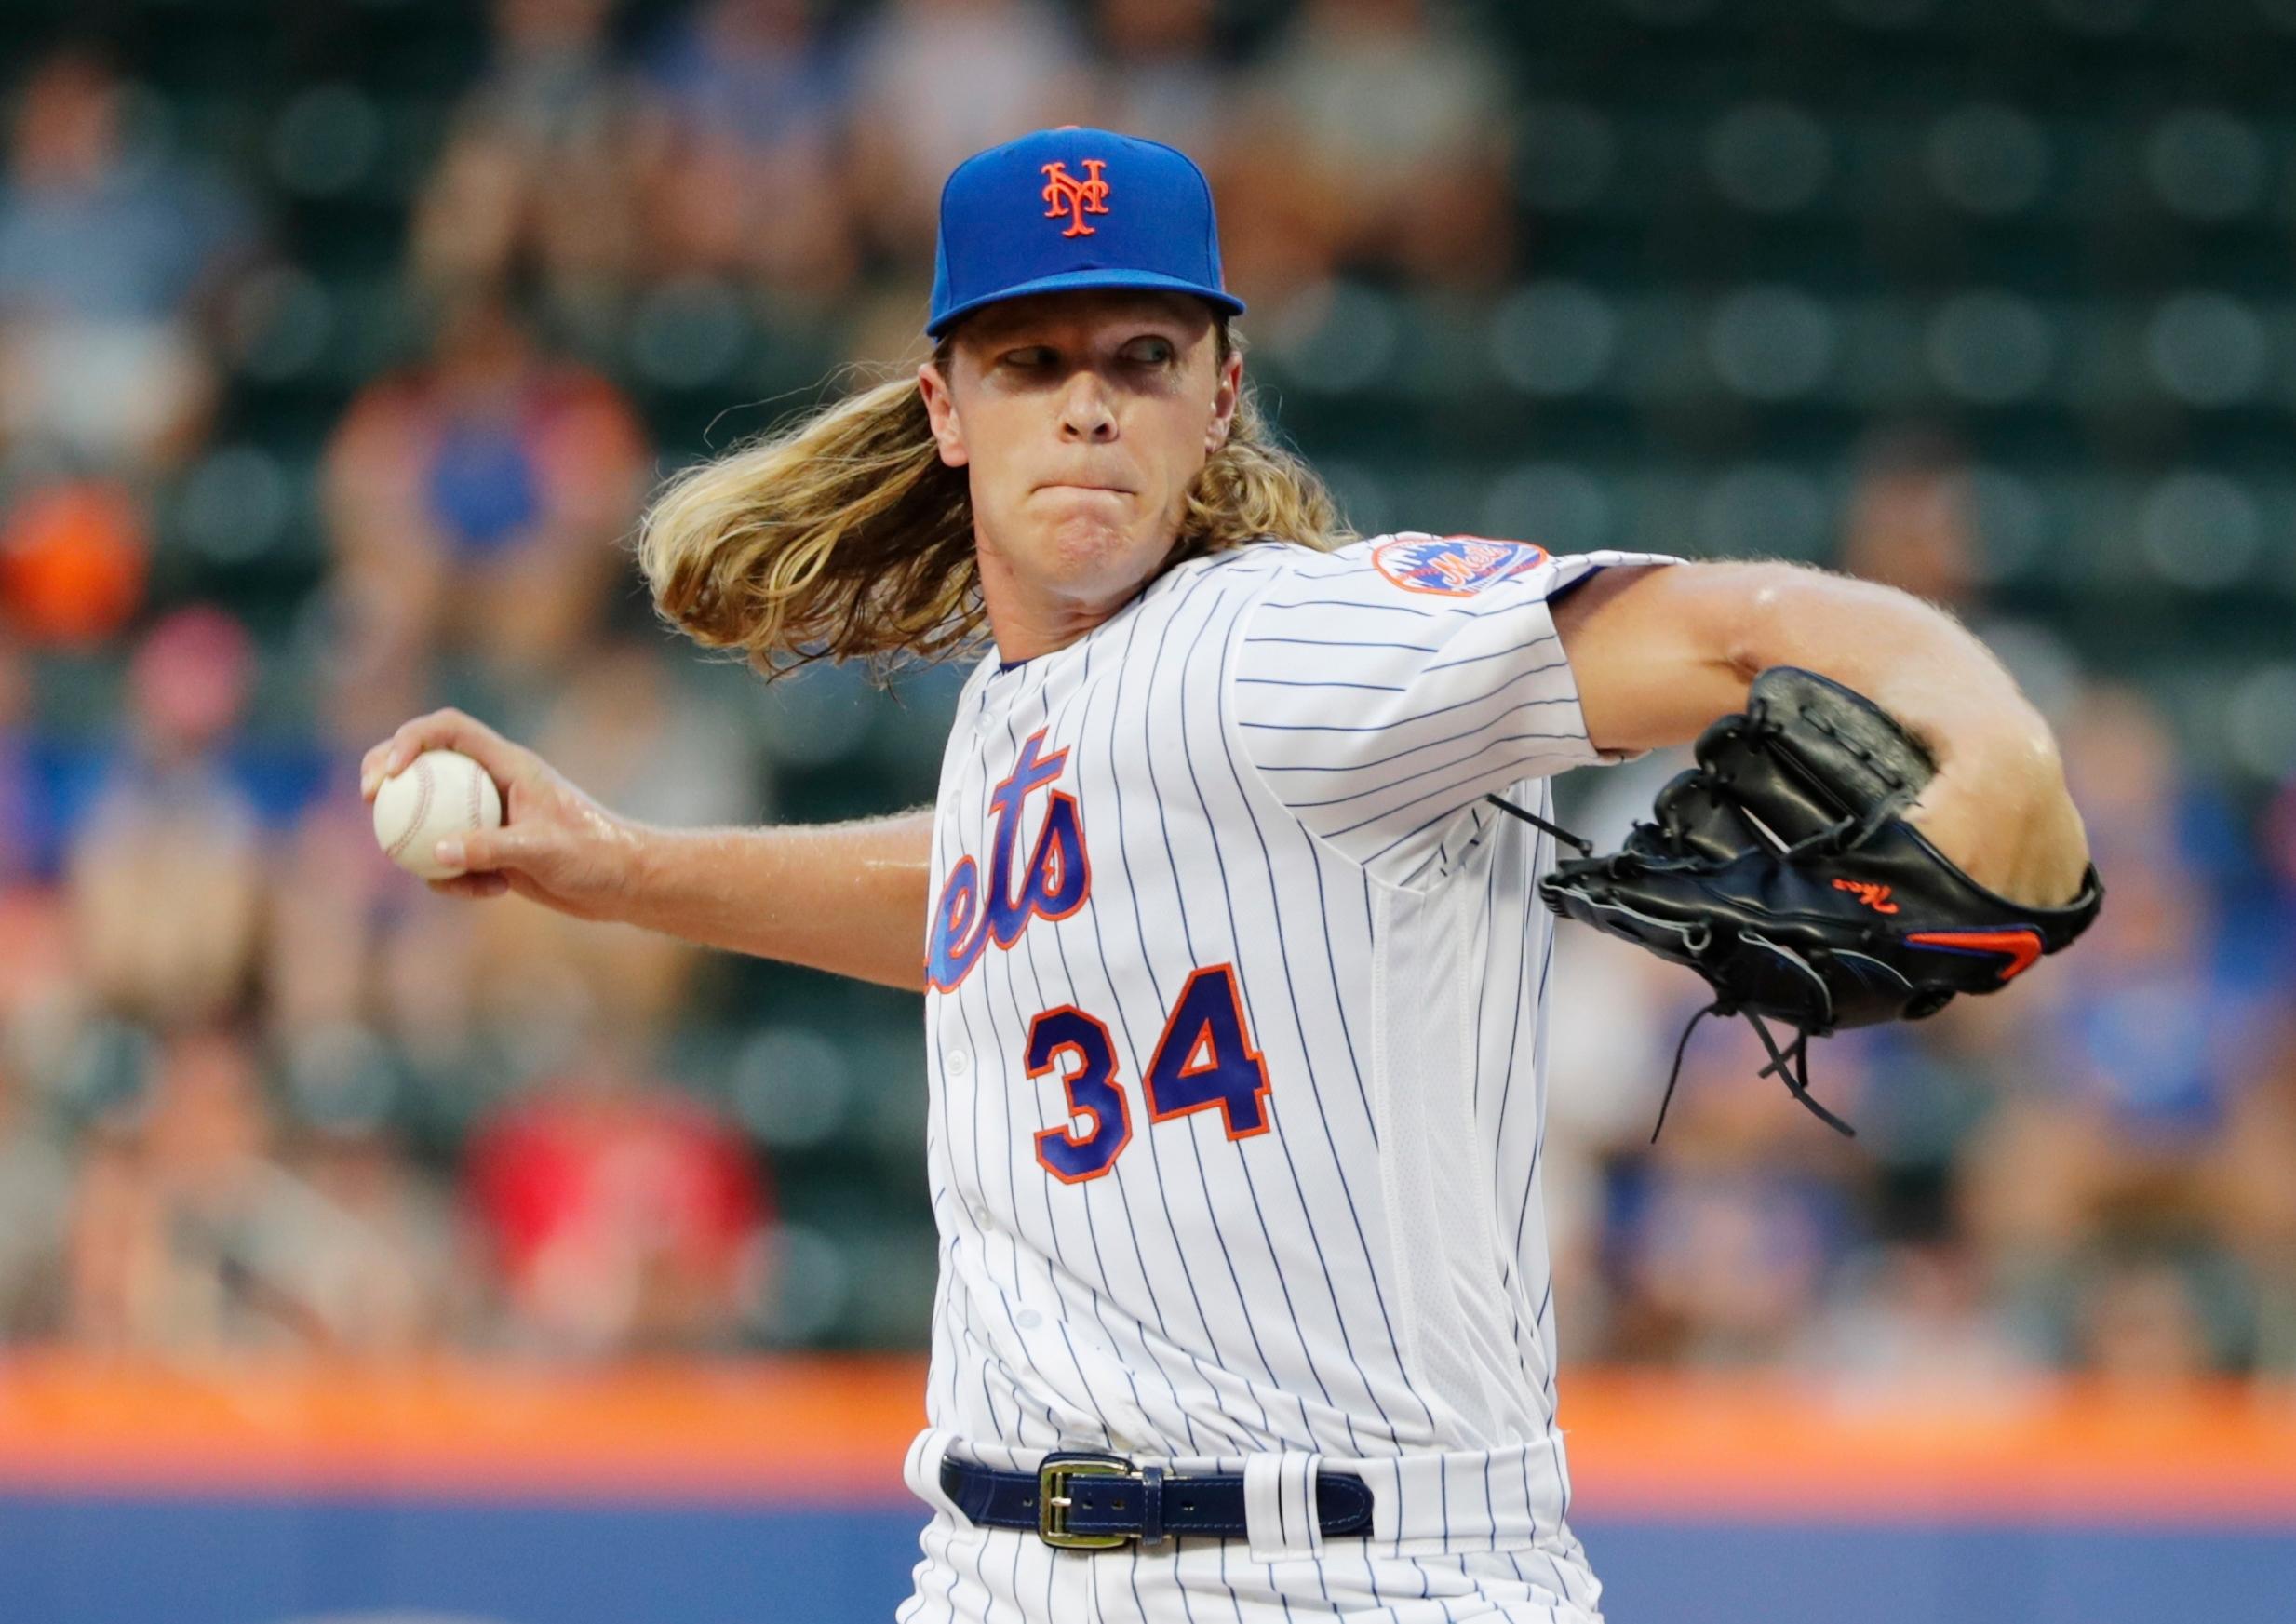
1659, 651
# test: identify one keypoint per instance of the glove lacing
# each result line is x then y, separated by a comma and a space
1789, 1064
1584, 848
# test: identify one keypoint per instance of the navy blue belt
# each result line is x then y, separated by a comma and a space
1098, 1502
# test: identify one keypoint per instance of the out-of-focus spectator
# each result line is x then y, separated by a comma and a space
72, 559
1607, 1051
2146, 1032
2276, 830
540, 179
41, 984
2138, 799
553, 76
622, 729
1161, 76
936, 81
753, 73
332, 890
1724, 1265
623, 1217
2254, 1181
1918, 1090
43, 992
165, 881
1724, 1236
36, 1183
1384, 132
24, 804
477, 501
652, 746
2140, 1323
2145, 808
189, 1240
2136, 1063
1916, 1314
1911, 519
343, 1105
751, 182
108, 254
2275, 898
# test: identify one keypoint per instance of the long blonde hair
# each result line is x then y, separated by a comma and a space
844, 536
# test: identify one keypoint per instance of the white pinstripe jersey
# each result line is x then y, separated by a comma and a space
1236, 1027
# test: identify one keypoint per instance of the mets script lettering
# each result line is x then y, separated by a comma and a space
1054, 885
1064, 194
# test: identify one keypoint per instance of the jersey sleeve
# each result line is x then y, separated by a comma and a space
1382, 689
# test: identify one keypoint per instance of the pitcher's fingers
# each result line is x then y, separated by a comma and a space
371, 774
443, 730
446, 729
471, 885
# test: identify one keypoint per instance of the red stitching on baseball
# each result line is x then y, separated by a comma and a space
421, 808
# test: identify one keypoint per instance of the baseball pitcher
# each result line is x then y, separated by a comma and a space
1234, 951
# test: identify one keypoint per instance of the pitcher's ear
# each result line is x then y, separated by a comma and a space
941, 412
1226, 394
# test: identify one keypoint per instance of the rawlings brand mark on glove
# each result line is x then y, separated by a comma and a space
1780, 869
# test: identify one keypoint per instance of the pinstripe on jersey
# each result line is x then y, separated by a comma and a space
1272, 762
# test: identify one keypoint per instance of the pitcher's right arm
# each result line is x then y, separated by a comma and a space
848, 898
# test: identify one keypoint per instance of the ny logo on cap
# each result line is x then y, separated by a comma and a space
1064, 194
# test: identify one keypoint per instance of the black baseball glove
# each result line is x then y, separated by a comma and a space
1779, 869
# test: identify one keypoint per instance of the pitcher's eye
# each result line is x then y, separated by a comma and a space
1151, 352
1028, 357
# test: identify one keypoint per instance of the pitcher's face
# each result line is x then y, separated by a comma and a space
1081, 420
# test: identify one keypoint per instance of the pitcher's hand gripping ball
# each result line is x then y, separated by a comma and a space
438, 794
1780, 870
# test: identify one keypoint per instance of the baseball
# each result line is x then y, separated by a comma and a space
439, 793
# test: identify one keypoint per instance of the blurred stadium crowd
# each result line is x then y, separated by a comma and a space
341, 342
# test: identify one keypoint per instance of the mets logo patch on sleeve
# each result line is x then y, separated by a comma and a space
1453, 566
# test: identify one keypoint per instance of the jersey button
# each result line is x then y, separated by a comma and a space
957, 1062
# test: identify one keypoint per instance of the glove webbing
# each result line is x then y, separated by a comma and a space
1791, 1064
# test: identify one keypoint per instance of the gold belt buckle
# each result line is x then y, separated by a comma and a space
1054, 1500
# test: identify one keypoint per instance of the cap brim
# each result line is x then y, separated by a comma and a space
1077, 281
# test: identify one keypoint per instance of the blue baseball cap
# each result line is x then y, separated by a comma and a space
1074, 208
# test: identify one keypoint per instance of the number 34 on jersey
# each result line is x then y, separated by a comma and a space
1203, 1061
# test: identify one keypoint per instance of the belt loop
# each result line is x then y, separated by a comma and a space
921, 1471
1151, 1505
1303, 1529
1279, 1505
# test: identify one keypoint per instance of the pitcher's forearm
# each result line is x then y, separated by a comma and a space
2000, 798
848, 898
1660, 653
